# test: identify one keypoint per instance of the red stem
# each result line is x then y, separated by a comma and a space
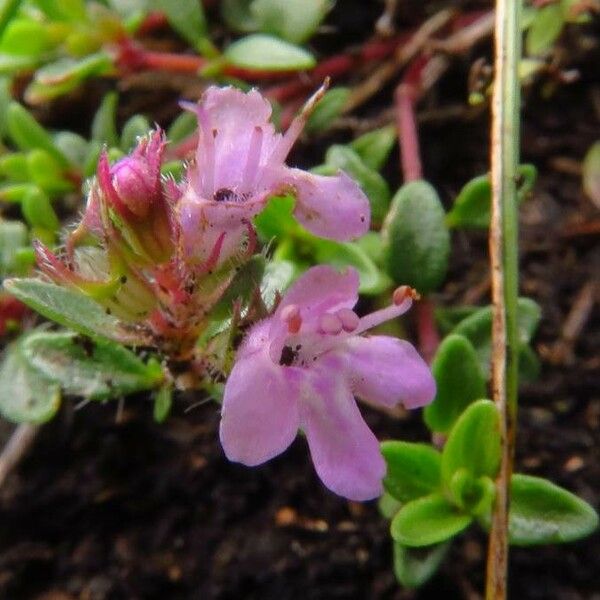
429, 338
406, 96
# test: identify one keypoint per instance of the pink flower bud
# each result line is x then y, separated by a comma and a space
135, 184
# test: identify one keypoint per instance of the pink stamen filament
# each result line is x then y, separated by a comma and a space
252, 159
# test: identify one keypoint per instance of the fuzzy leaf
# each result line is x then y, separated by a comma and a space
473, 443
95, 369
471, 209
134, 128
413, 470
26, 396
459, 382
261, 52
69, 308
426, 521
477, 328
416, 239
415, 566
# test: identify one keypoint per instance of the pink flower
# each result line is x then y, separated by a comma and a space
240, 165
302, 367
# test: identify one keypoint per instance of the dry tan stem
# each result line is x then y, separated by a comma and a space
388, 70
16, 448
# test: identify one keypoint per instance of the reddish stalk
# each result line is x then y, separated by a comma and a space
406, 96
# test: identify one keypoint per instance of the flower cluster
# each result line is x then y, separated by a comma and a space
159, 255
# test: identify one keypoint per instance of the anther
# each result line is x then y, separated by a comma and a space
330, 324
403, 293
349, 319
290, 314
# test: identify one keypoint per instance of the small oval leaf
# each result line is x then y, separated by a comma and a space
260, 52
413, 470
473, 443
416, 239
459, 382
426, 521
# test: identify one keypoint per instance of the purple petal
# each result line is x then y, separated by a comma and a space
259, 419
344, 450
331, 207
322, 289
233, 117
386, 371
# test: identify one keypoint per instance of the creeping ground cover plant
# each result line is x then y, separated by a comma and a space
198, 262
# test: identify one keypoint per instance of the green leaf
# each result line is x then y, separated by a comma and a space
459, 382
69, 308
38, 211
471, 494
413, 470
25, 37
448, 317
47, 173
8, 9
344, 254
473, 443
261, 52
545, 29
426, 521
73, 146
96, 369
27, 134
477, 328
371, 182
375, 146
135, 127
64, 75
471, 209
246, 280
186, 17
26, 396
13, 166
415, 566
104, 125
163, 401
544, 513
238, 16
279, 274
182, 127
591, 173
388, 505
292, 20
416, 239
276, 219
328, 109
13, 236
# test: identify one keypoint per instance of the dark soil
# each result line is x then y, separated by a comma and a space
135, 510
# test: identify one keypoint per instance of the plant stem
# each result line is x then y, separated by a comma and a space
505, 273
